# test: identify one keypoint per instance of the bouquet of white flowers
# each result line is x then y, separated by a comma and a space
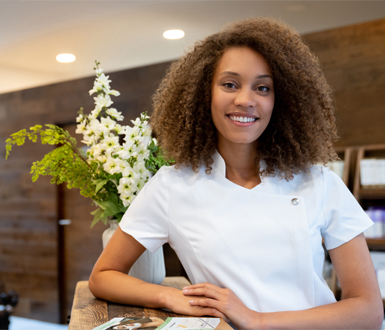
118, 160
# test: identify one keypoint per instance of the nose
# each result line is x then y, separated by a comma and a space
245, 98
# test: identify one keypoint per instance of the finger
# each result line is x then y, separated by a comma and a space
201, 285
204, 302
195, 286
209, 303
208, 311
209, 292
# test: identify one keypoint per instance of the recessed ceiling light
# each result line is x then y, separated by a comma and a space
173, 34
65, 58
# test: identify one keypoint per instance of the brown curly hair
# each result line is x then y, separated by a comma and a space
302, 127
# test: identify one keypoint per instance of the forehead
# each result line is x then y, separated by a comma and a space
242, 60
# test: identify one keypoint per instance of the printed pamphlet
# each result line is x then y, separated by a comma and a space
159, 323
189, 323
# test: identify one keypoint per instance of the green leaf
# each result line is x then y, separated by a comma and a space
97, 214
100, 185
110, 207
119, 216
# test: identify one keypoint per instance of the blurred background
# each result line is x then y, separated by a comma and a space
41, 257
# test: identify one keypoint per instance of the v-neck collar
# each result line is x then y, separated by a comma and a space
219, 171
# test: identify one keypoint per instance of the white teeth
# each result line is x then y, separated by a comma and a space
243, 119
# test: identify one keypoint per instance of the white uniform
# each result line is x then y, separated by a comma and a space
265, 243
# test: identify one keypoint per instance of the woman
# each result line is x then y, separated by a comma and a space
246, 115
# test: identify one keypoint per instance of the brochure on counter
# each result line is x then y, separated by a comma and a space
160, 323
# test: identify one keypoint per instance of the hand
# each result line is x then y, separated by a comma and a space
177, 302
206, 295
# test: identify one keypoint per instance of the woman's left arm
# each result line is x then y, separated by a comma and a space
361, 307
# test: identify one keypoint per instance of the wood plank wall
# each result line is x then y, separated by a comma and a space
354, 64
353, 60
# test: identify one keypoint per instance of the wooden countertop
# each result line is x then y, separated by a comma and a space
88, 312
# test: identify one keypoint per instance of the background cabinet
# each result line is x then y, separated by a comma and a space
367, 196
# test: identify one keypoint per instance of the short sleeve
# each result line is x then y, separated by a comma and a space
344, 217
147, 217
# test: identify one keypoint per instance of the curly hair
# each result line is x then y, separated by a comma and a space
302, 127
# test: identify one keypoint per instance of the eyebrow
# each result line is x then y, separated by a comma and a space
238, 75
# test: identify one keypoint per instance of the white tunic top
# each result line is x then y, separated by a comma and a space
265, 243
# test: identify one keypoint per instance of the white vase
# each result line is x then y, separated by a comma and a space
149, 267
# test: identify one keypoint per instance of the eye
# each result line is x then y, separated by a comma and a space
229, 85
263, 89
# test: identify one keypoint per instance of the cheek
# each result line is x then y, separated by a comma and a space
216, 107
268, 106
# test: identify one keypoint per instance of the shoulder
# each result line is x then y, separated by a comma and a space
312, 184
172, 175
317, 175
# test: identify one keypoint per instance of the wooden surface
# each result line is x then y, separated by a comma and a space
89, 312
353, 61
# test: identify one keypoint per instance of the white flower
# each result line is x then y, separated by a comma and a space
115, 114
119, 129
114, 93
111, 141
97, 87
95, 113
92, 132
81, 128
139, 167
127, 199
131, 133
143, 154
137, 122
101, 133
102, 158
144, 141
103, 80
124, 186
112, 165
102, 101
131, 175
140, 183
146, 131
108, 123
97, 150
127, 150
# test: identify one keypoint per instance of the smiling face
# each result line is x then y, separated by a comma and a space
242, 97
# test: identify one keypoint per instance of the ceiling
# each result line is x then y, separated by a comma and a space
127, 34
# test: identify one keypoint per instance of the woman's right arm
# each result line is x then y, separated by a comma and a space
109, 280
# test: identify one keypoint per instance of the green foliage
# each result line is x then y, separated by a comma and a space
156, 159
65, 163
68, 164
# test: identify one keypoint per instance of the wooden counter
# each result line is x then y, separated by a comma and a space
88, 312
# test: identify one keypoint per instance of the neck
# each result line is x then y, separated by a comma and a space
240, 164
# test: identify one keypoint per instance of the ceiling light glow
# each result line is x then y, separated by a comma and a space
173, 34
65, 58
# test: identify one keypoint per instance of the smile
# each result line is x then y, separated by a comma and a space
242, 119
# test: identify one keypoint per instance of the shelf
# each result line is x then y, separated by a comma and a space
376, 243
370, 193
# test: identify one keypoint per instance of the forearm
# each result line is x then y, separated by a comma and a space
120, 288
352, 313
